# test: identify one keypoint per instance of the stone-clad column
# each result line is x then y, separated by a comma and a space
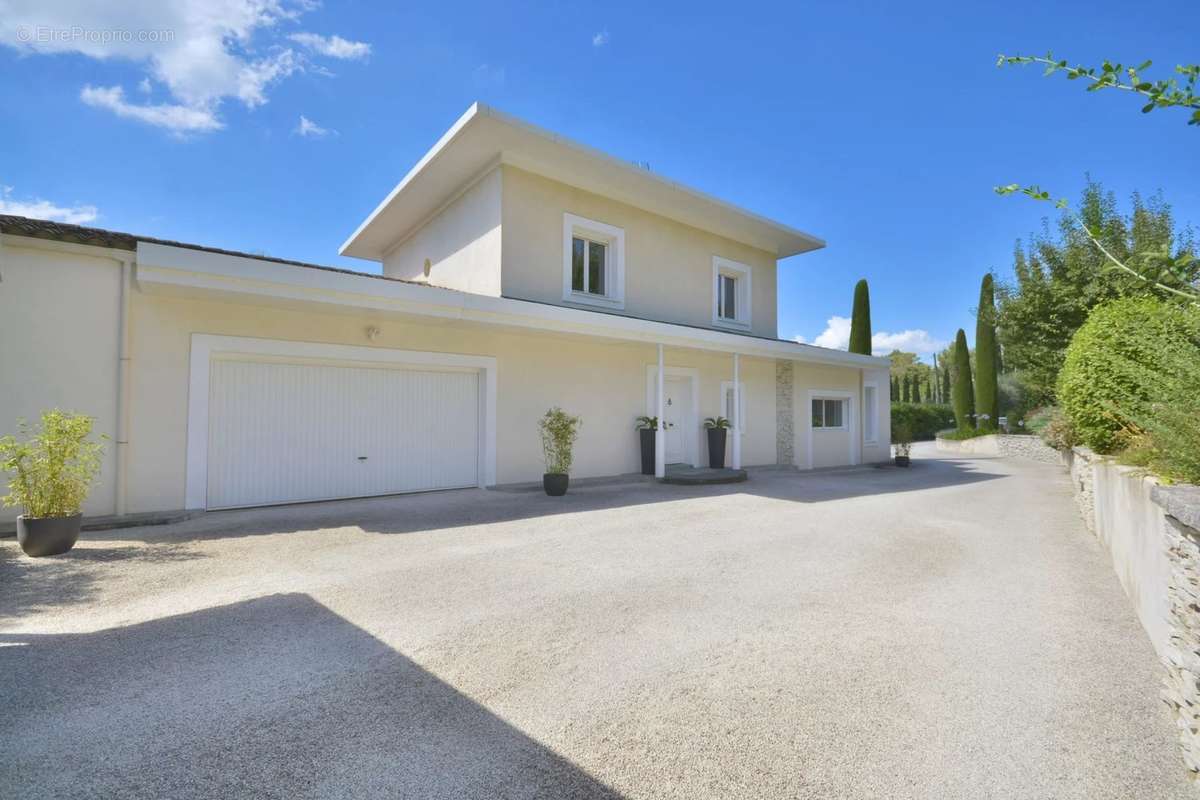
784, 414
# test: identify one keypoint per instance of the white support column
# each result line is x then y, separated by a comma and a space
736, 422
660, 439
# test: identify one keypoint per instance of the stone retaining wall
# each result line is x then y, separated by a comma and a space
1002, 444
1152, 533
1031, 447
979, 446
1182, 692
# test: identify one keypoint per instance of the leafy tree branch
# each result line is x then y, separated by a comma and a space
1165, 93
1154, 267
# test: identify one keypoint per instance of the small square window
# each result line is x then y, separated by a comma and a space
828, 414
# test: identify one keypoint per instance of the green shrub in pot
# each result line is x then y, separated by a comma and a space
52, 468
717, 429
559, 431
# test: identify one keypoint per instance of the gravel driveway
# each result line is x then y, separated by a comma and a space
945, 631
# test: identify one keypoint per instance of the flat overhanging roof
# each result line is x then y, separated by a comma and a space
484, 137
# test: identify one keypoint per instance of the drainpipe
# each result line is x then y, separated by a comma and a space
737, 414
660, 439
123, 369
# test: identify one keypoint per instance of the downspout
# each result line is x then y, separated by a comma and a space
123, 371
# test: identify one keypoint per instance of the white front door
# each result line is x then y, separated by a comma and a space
677, 410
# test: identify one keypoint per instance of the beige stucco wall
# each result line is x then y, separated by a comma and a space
461, 242
668, 266
604, 383
59, 311
828, 448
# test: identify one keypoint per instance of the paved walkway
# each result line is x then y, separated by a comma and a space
944, 631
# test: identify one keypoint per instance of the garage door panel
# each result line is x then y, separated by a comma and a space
287, 432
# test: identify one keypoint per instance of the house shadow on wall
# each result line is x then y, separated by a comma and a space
272, 697
432, 511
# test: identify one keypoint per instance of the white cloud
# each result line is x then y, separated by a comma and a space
600, 39
145, 87
487, 76
332, 46
307, 128
178, 119
837, 336
911, 341
44, 209
203, 51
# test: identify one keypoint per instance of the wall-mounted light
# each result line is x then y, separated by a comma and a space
372, 332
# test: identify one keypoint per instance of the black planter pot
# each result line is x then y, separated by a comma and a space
716, 447
48, 536
647, 436
555, 483
901, 461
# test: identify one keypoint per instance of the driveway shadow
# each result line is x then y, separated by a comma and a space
272, 697
453, 509
35, 584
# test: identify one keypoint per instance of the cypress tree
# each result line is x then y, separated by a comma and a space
860, 320
916, 389
986, 394
895, 390
905, 389
963, 391
945, 383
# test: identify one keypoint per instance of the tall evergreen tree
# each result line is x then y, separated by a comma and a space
986, 393
916, 390
963, 390
945, 383
905, 390
860, 320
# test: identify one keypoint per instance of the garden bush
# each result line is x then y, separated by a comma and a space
1167, 436
923, 420
1119, 363
1052, 425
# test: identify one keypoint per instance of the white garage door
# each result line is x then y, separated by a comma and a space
285, 432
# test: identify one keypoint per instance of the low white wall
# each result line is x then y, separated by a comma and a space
979, 446
1130, 524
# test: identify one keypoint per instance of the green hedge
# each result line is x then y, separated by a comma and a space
923, 419
1113, 365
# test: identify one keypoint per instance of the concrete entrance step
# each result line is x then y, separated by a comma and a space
694, 476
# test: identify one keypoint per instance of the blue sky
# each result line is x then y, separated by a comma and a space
880, 127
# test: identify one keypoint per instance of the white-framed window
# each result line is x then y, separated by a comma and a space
727, 404
870, 412
829, 414
731, 293
593, 262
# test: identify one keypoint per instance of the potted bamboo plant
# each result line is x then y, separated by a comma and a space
53, 467
559, 430
718, 428
902, 439
646, 427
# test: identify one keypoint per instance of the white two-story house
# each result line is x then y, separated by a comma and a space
521, 271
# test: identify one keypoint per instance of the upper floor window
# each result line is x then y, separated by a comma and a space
593, 262
731, 293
